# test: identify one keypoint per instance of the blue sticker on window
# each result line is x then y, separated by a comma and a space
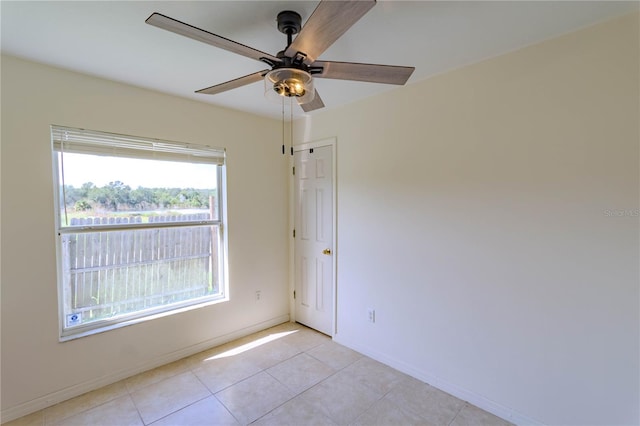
74, 319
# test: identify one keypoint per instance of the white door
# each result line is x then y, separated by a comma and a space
313, 186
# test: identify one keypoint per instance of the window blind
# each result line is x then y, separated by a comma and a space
81, 141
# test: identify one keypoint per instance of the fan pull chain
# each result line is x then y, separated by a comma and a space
291, 123
283, 143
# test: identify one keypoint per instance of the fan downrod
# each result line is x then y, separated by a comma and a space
289, 23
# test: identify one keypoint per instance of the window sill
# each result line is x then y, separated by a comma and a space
76, 334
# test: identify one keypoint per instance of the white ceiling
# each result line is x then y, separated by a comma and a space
110, 39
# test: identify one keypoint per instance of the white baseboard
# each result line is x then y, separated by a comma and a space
450, 388
56, 397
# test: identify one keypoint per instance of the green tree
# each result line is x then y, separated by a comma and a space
82, 206
116, 196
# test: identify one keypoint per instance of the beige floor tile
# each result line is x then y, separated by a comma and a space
233, 348
84, 402
271, 353
284, 327
120, 411
300, 372
341, 398
254, 397
470, 415
375, 375
156, 375
435, 406
201, 358
334, 355
386, 413
170, 395
305, 339
245, 346
296, 412
218, 374
33, 419
208, 411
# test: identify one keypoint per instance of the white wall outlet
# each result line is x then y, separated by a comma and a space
258, 295
372, 315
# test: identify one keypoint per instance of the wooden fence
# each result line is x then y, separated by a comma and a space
110, 273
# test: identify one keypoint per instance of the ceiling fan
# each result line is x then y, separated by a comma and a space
292, 70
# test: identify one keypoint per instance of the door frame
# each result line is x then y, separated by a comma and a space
332, 142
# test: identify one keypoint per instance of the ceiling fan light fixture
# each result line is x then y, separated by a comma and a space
291, 68
289, 82
289, 87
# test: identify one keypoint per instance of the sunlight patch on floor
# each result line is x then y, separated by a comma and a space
251, 345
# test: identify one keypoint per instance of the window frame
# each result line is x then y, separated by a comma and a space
102, 325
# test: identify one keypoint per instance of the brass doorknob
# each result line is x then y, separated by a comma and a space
326, 251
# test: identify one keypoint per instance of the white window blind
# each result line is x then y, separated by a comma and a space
80, 141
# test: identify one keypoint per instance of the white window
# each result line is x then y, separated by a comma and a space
139, 227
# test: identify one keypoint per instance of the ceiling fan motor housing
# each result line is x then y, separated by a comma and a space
289, 22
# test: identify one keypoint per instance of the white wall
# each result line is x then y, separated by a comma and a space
38, 370
472, 215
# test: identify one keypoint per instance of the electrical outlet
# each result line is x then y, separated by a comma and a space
372, 315
258, 295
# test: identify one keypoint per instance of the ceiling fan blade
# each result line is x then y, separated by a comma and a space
175, 26
373, 73
326, 24
233, 84
316, 103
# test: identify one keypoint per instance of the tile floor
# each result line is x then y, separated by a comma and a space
286, 375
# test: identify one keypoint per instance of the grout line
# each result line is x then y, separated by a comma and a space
228, 411
203, 383
298, 394
173, 412
458, 412
275, 408
133, 401
67, 416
